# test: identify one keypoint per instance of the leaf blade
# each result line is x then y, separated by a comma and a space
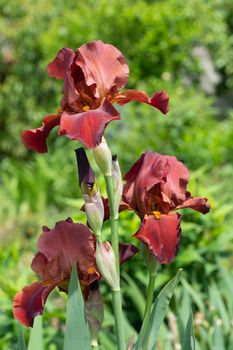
36, 335
157, 314
77, 333
188, 339
21, 345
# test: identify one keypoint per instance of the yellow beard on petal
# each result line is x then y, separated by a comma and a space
86, 108
156, 214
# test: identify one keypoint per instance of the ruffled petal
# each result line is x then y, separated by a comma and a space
159, 100
88, 127
144, 174
40, 266
103, 65
156, 182
199, 204
176, 180
126, 251
66, 244
59, 66
161, 235
30, 302
36, 138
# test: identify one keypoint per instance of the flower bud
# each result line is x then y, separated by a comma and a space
94, 209
117, 182
93, 202
106, 263
103, 157
150, 259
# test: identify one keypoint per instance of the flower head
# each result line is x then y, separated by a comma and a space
58, 249
155, 187
93, 76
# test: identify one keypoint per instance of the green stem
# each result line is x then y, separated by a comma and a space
149, 301
116, 299
116, 294
113, 219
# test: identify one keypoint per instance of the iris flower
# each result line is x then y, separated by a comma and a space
92, 78
155, 188
58, 249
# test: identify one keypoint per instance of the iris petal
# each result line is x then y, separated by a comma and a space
161, 235
36, 138
159, 100
30, 302
88, 127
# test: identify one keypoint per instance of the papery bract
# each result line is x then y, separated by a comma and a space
93, 76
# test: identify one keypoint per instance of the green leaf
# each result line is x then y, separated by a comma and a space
189, 340
196, 297
134, 292
217, 301
218, 336
36, 335
158, 313
77, 333
21, 341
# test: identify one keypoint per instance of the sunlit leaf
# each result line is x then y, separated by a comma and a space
189, 340
148, 341
36, 335
77, 333
218, 336
21, 341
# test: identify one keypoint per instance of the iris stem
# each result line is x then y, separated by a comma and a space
149, 301
113, 219
116, 294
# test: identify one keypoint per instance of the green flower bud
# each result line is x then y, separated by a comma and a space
103, 157
106, 263
94, 209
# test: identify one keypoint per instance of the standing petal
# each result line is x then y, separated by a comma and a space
176, 180
40, 266
161, 235
30, 302
159, 100
103, 65
59, 66
88, 127
148, 171
36, 138
66, 244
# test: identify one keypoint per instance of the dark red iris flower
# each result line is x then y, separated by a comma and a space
93, 76
58, 250
156, 187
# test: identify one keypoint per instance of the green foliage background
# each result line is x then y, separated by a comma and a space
158, 39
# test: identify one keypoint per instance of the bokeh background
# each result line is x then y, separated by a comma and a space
184, 47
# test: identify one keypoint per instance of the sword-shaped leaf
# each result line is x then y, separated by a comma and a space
148, 341
77, 333
189, 340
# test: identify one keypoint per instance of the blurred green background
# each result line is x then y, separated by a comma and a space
185, 47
